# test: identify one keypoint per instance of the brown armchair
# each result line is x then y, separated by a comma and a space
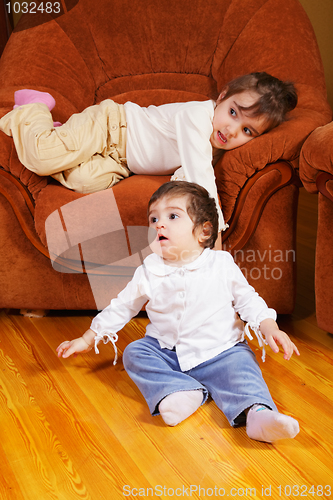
316, 172
155, 53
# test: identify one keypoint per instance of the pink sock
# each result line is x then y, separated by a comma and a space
28, 96
263, 424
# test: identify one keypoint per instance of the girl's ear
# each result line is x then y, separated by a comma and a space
205, 232
221, 96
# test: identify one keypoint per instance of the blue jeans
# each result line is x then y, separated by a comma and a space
233, 378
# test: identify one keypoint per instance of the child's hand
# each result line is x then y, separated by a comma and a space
275, 337
281, 338
81, 345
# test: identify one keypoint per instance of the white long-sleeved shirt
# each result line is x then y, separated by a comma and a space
196, 307
162, 138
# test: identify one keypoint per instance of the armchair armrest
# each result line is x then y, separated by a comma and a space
316, 161
22, 204
324, 183
252, 200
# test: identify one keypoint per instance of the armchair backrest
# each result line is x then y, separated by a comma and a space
159, 51
188, 45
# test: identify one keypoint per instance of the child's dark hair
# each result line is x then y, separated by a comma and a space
200, 206
276, 98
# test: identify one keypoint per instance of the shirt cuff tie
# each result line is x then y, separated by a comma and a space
107, 337
261, 341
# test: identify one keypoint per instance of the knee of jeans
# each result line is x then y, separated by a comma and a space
133, 352
128, 354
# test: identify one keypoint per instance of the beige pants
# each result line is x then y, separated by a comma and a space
86, 154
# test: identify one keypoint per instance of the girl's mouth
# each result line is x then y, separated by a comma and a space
161, 237
222, 137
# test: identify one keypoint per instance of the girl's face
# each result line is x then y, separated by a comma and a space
175, 241
231, 126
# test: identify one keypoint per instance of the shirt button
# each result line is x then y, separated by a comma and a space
64, 134
27, 123
182, 294
114, 127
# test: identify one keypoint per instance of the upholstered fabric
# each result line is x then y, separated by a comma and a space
317, 156
158, 52
316, 173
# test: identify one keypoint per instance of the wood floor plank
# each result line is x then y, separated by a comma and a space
150, 445
75, 420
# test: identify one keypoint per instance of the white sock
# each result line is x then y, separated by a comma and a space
179, 405
266, 425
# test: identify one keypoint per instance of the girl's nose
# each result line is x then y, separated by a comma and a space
160, 224
233, 130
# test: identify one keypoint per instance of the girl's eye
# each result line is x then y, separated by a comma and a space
232, 112
174, 216
153, 220
247, 131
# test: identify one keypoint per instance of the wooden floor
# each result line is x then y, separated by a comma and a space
79, 428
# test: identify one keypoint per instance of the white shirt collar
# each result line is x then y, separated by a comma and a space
156, 265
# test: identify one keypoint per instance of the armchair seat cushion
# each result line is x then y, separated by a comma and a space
131, 195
